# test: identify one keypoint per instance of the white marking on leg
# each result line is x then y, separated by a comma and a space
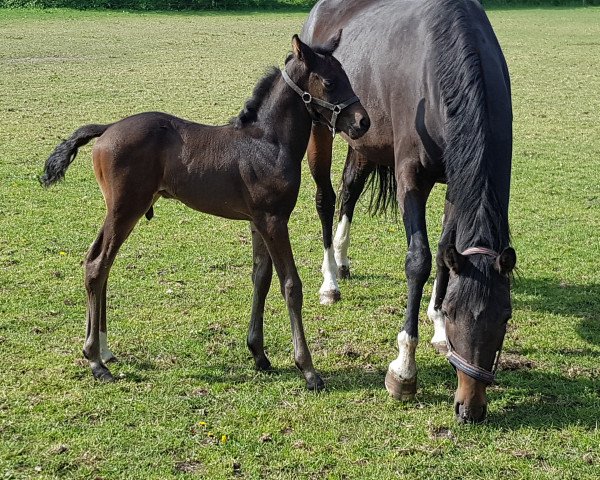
437, 317
105, 353
341, 242
330, 289
405, 366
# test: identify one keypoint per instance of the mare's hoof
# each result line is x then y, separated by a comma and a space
102, 374
315, 383
108, 358
440, 347
330, 297
344, 272
399, 388
263, 365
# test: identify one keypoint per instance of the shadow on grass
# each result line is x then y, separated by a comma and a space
546, 401
552, 296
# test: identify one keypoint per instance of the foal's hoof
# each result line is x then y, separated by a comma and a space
102, 374
263, 365
315, 383
399, 388
440, 347
344, 272
330, 297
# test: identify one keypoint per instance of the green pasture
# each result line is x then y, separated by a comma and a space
188, 403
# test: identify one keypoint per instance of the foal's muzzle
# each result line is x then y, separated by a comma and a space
307, 98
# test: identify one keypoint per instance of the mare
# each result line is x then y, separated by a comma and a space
246, 170
435, 82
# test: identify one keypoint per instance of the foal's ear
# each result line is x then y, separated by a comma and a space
333, 42
453, 260
302, 51
506, 261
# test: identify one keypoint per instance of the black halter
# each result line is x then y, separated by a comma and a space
307, 98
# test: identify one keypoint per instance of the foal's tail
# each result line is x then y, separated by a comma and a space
64, 154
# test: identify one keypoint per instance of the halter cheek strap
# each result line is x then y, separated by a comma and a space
460, 363
307, 98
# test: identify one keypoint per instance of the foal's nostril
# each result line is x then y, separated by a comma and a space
364, 123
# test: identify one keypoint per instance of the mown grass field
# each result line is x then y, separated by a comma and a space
188, 403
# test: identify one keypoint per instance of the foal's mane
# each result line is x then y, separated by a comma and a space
249, 113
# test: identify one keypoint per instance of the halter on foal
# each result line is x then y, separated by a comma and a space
247, 170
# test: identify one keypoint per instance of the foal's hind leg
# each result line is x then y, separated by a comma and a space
262, 273
100, 258
274, 231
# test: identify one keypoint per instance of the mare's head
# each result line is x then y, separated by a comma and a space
477, 307
325, 88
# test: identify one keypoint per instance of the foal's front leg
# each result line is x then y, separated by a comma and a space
274, 232
262, 273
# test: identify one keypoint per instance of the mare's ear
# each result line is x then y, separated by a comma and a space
453, 260
302, 51
333, 42
506, 261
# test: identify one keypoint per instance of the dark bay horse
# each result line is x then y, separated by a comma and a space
246, 170
434, 80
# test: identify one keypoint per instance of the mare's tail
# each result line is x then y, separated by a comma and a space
64, 154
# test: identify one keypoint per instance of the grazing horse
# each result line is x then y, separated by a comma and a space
435, 83
246, 170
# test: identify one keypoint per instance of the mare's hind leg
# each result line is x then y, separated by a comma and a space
356, 172
100, 258
262, 273
319, 154
413, 191
274, 232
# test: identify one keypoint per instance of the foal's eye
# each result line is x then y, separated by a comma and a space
329, 85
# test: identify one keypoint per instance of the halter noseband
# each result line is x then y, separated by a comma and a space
307, 98
474, 371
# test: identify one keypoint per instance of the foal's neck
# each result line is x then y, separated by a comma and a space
285, 120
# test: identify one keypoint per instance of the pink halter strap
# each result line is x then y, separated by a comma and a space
480, 250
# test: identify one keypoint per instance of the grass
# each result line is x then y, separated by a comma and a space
188, 403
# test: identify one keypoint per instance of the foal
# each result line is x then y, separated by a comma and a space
246, 170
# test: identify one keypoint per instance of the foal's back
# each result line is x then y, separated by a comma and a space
209, 168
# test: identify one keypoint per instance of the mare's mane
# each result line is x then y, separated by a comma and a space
471, 164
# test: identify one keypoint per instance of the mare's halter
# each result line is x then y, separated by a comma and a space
474, 371
307, 98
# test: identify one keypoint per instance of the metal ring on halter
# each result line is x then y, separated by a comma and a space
306, 97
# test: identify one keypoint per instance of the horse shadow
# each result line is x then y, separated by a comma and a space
552, 296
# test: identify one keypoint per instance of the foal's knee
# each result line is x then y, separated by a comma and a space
292, 291
94, 276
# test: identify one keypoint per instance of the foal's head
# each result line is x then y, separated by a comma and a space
477, 307
321, 76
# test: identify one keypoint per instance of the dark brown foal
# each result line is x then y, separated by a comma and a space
246, 170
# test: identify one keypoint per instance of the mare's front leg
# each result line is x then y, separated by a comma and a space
262, 273
413, 191
274, 231
440, 285
356, 172
319, 153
